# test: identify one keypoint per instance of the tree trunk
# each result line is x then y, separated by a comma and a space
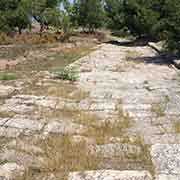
20, 30
41, 29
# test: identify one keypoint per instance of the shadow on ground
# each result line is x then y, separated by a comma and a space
159, 59
133, 43
162, 58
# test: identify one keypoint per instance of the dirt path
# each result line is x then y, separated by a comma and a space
125, 108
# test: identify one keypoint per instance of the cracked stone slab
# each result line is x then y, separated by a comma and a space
167, 177
28, 103
6, 91
10, 132
16, 108
166, 158
8, 170
116, 150
64, 127
24, 124
163, 139
110, 175
97, 105
3, 121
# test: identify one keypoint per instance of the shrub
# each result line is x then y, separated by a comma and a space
7, 76
5, 39
66, 74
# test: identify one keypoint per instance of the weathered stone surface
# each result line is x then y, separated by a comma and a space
101, 105
8, 155
64, 127
116, 149
166, 158
110, 175
3, 121
167, 177
10, 132
6, 91
171, 138
23, 104
8, 170
128, 77
177, 63
12, 105
24, 124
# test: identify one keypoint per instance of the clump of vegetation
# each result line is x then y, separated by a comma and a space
66, 74
64, 155
176, 126
158, 109
100, 132
145, 156
107, 130
4, 39
7, 76
85, 17
131, 55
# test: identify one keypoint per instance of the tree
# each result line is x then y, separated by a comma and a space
46, 12
21, 16
140, 17
115, 14
14, 14
171, 24
89, 14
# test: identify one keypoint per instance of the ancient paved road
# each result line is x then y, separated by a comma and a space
118, 77
149, 91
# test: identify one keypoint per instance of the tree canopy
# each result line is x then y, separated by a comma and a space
155, 19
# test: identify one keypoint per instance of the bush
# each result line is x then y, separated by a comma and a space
172, 25
7, 76
5, 39
88, 14
66, 74
30, 38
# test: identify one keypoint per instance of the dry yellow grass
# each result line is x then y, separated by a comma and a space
176, 126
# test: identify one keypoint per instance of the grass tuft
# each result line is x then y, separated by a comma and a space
176, 126
65, 74
7, 76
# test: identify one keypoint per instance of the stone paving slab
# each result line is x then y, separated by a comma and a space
166, 158
24, 124
10, 132
110, 175
64, 127
6, 91
167, 177
3, 121
116, 150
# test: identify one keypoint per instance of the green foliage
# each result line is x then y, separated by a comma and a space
147, 18
7, 76
171, 24
153, 19
115, 14
14, 15
89, 14
138, 16
66, 26
46, 13
66, 74
4, 39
